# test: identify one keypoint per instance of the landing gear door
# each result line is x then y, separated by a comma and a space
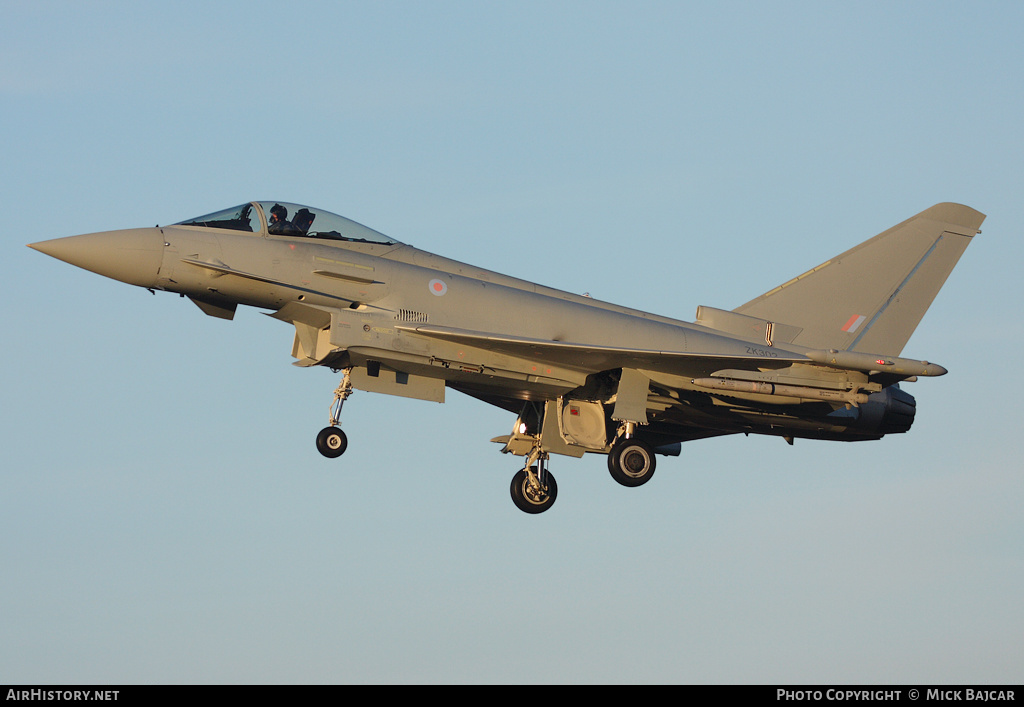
582, 423
631, 397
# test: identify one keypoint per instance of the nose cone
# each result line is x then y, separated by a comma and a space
131, 256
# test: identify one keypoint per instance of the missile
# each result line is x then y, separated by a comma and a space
873, 362
790, 391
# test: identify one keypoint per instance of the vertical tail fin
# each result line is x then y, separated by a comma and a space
872, 297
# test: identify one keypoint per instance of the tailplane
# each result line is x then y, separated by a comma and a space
872, 297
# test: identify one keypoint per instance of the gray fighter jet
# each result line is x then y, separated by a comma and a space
816, 357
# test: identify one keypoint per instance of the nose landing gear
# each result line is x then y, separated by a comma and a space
331, 441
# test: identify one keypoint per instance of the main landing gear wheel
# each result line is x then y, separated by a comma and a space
533, 497
331, 442
631, 462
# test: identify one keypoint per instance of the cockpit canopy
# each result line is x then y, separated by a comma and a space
286, 219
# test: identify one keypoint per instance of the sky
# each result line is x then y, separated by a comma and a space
164, 514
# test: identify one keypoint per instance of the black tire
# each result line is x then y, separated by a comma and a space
529, 501
631, 462
331, 442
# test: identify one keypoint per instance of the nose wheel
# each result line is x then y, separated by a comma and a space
331, 441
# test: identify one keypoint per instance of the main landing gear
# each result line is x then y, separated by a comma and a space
533, 487
332, 442
631, 462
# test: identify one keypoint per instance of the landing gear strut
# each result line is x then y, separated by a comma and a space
533, 487
332, 442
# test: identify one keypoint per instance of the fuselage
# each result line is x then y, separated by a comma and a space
390, 280
368, 294
581, 374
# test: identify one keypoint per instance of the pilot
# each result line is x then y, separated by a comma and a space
279, 223
303, 220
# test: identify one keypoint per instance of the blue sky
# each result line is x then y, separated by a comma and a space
164, 514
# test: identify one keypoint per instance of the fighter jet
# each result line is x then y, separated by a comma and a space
817, 357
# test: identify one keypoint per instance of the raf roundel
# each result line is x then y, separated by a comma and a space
438, 287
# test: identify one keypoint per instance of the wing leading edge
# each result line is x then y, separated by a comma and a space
594, 358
